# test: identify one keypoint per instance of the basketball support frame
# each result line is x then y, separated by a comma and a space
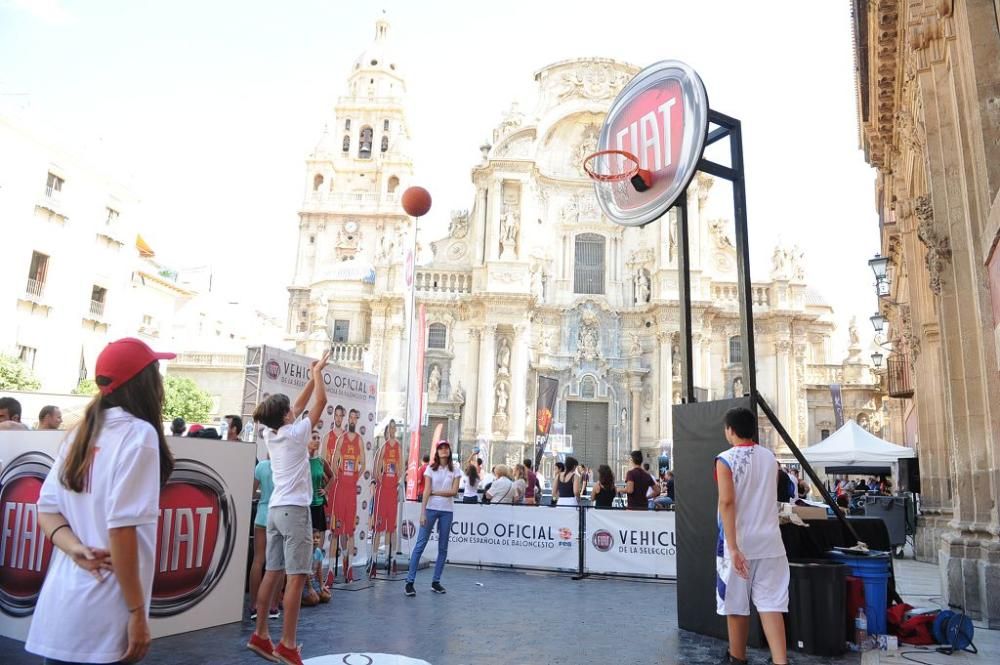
720, 127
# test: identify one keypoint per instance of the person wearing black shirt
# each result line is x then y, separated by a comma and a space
637, 483
784, 486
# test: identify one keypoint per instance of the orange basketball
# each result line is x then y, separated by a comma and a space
416, 201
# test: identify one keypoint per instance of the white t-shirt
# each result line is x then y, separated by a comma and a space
502, 490
441, 480
289, 453
468, 489
77, 618
755, 477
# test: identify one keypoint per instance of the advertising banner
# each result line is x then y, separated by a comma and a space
545, 406
626, 542
502, 535
202, 535
837, 394
351, 405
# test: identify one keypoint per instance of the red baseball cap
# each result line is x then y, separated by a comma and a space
122, 359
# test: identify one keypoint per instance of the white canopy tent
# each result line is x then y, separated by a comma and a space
853, 446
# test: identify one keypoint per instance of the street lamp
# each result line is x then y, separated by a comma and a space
877, 359
880, 266
878, 321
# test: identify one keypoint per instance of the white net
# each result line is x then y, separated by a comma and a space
619, 189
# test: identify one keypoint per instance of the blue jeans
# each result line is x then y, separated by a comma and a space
443, 519
662, 500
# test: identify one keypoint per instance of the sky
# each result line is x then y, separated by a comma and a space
208, 110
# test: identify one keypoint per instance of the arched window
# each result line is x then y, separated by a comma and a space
317, 182
347, 143
588, 387
437, 336
735, 349
393, 184
365, 142
588, 273
385, 143
385, 126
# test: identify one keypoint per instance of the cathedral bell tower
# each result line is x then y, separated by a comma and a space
351, 219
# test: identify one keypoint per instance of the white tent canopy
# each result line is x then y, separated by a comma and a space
852, 445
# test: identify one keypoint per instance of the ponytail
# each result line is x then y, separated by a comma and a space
75, 473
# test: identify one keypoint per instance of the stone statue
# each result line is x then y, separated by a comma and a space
798, 264
779, 262
434, 384
588, 342
508, 224
459, 226
624, 420
852, 331
738, 386
503, 357
643, 287
458, 394
635, 347
675, 355
501, 399
537, 289
546, 342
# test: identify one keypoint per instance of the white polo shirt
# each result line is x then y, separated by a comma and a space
77, 618
289, 453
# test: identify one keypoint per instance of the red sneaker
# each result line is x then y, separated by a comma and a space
288, 656
348, 574
262, 647
330, 579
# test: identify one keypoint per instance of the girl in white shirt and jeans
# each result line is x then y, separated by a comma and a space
99, 506
442, 479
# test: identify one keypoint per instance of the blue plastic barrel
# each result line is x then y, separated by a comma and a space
874, 569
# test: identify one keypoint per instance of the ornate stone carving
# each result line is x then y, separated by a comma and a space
458, 228
510, 221
511, 121
634, 346
906, 331
592, 81
588, 338
586, 146
503, 357
938, 246
434, 384
458, 394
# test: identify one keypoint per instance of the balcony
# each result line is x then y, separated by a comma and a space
343, 353
898, 375
97, 309
319, 201
440, 283
34, 290
210, 360
729, 294
824, 375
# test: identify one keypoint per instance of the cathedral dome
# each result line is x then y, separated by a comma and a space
379, 55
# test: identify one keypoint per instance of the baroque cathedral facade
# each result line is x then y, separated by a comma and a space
532, 280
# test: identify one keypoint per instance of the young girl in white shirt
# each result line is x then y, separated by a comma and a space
99, 506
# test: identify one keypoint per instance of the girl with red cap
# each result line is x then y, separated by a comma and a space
99, 506
441, 486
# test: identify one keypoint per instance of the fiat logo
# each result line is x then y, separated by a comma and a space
24, 550
273, 369
602, 540
196, 535
408, 529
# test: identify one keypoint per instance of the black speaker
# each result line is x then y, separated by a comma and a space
909, 475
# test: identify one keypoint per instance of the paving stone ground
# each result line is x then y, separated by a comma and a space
487, 616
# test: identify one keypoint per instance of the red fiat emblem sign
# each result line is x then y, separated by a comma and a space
660, 117
602, 540
24, 550
196, 535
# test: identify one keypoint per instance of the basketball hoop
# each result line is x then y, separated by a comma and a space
619, 171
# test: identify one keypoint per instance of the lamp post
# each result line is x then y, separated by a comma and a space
878, 321
877, 359
880, 266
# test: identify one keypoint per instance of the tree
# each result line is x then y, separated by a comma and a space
15, 375
85, 387
185, 399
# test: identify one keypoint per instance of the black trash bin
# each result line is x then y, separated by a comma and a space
815, 622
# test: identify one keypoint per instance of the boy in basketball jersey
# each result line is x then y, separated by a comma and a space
750, 557
349, 465
329, 455
387, 479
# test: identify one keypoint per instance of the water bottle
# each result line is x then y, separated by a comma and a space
247, 434
861, 630
223, 429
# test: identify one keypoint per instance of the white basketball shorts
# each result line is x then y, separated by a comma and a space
767, 586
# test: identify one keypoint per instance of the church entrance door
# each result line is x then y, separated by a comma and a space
587, 423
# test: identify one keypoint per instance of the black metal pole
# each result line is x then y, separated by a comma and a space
783, 433
686, 344
582, 525
742, 254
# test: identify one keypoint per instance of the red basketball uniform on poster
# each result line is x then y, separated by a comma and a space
328, 455
388, 488
345, 497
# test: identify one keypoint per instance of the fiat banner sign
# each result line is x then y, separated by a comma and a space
626, 542
204, 508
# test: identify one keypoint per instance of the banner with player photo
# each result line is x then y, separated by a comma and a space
201, 548
347, 439
545, 406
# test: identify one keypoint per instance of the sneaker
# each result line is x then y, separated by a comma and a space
273, 613
731, 660
409, 590
330, 579
262, 647
253, 614
288, 656
437, 588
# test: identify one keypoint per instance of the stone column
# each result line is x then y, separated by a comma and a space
493, 220
783, 368
472, 385
518, 382
487, 370
394, 360
635, 388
